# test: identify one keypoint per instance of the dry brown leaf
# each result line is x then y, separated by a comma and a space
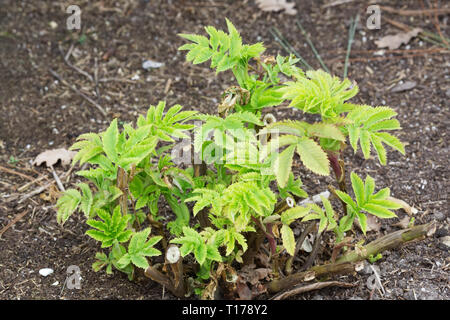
405, 86
51, 157
263, 259
372, 223
243, 290
277, 5
52, 195
403, 223
395, 41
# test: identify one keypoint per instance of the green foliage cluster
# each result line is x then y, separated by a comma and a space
131, 172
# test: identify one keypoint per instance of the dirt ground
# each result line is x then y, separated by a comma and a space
39, 112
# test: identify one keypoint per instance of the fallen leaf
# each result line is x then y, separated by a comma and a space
243, 290
249, 283
51, 157
277, 5
372, 223
405, 86
403, 223
395, 41
253, 275
263, 259
52, 195
307, 244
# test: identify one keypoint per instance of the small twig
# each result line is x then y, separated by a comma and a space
288, 47
13, 221
116, 80
308, 40
40, 189
16, 173
298, 246
58, 181
66, 60
97, 91
99, 107
35, 192
395, 57
311, 287
437, 11
424, 35
25, 186
69, 52
309, 228
315, 251
438, 27
336, 3
377, 278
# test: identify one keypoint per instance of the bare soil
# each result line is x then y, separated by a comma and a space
39, 113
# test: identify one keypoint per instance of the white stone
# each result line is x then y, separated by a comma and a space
45, 272
150, 64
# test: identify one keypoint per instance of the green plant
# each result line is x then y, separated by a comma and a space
247, 190
12, 160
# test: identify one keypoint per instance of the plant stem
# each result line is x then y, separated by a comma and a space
315, 251
348, 263
351, 36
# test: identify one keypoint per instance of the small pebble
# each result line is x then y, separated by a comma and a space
439, 216
446, 241
45, 272
150, 64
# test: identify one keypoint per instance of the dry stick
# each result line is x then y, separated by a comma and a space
351, 261
424, 35
58, 181
40, 189
315, 251
288, 47
35, 192
66, 60
13, 221
418, 52
278, 285
438, 27
16, 173
336, 3
441, 12
26, 185
97, 91
309, 228
393, 57
311, 287
99, 107
69, 52
308, 40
